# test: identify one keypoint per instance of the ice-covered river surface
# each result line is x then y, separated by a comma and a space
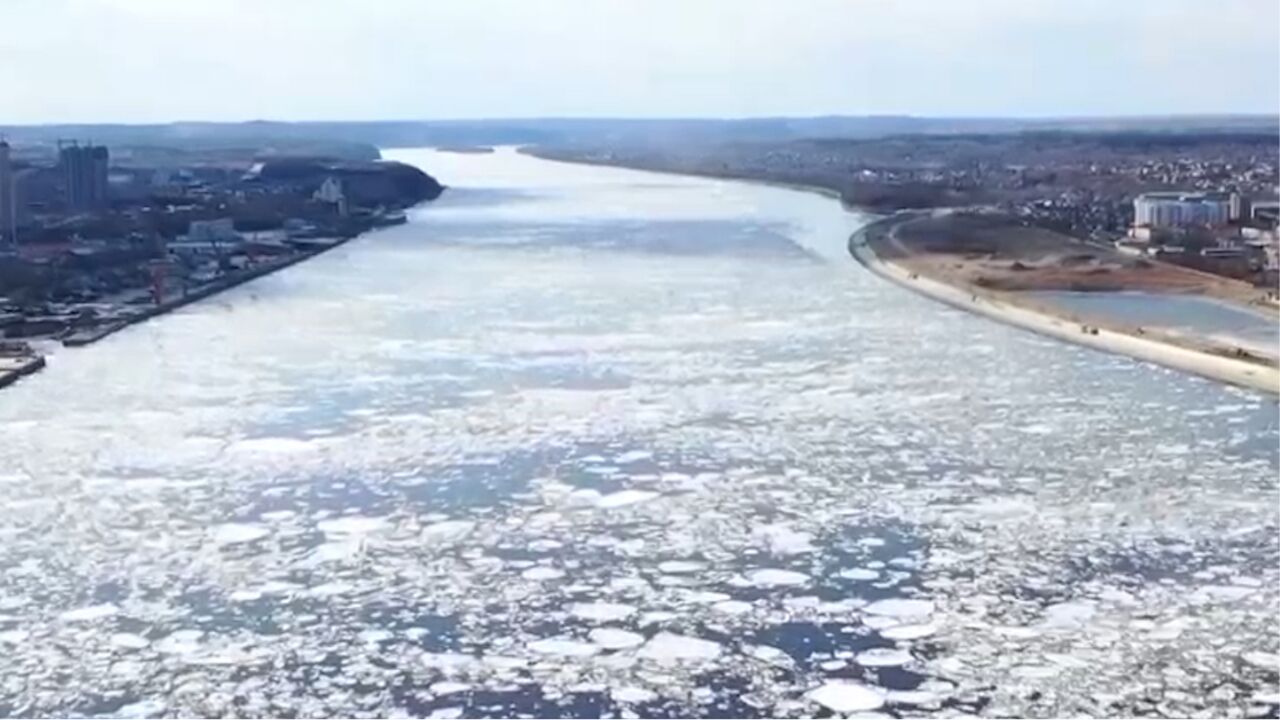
584, 441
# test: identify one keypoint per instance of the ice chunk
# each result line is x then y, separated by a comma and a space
900, 607
90, 613
732, 607
351, 525
783, 540
913, 631
151, 708
1268, 661
633, 695
847, 697
883, 657
632, 456
129, 641
681, 567
859, 574
1069, 614
669, 646
773, 577
542, 572
563, 646
601, 611
447, 531
237, 533
623, 498
615, 639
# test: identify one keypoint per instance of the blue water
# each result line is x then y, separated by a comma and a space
1187, 314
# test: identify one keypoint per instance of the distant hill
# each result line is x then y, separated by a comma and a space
354, 140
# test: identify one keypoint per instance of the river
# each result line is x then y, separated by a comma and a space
581, 441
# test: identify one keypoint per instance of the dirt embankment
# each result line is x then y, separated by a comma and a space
998, 253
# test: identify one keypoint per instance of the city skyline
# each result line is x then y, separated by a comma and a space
138, 61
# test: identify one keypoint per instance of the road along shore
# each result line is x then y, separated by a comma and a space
1002, 308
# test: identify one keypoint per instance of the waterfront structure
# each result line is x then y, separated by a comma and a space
330, 191
1181, 209
84, 176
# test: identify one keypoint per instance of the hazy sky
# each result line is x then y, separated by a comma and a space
157, 60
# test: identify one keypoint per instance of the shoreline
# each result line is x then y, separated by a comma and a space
93, 335
90, 336
1003, 309
1240, 373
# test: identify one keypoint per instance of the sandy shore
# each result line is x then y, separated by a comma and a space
1242, 373
1224, 369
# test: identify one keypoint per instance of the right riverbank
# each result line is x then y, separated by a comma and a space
1200, 357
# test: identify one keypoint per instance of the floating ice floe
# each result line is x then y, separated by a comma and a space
601, 611
632, 456
337, 551
911, 631
732, 607
768, 654
563, 646
129, 641
847, 697
180, 642
774, 577
859, 574
89, 613
623, 498
238, 533
883, 657
782, 540
615, 639
141, 709
900, 607
668, 646
632, 695
912, 697
1266, 660
1069, 614
448, 687
584, 498
13, 637
1221, 593
447, 531
351, 525
681, 567
542, 572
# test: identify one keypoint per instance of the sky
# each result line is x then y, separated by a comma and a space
165, 60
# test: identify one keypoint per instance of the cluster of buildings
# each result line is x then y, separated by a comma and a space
1222, 232
81, 186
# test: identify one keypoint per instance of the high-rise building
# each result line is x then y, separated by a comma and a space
1181, 209
8, 211
84, 173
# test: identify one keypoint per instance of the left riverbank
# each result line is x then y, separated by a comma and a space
20, 359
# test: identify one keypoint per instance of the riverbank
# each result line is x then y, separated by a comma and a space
11, 372
1199, 358
88, 336
1215, 361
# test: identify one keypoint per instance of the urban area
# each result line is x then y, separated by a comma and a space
92, 241
1204, 199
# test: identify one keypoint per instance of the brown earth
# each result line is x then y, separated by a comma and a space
997, 253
